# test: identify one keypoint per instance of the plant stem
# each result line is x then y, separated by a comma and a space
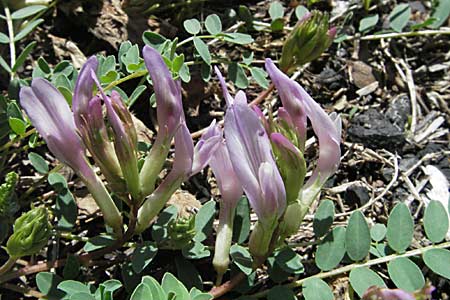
400, 34
11, 142
126, 78
12, 46
7, 265
192, 38
348, 268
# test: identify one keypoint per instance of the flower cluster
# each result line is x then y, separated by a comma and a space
266, 156
111, 139
260, 156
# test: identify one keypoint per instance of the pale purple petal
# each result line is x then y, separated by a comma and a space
83, 90
184, 151
51, 115
205, 147
249, 147
284, 115
168, 92
283, 142
375, 292
229, 184
290, 97
228, 99
272, 189
261, 117
300, 105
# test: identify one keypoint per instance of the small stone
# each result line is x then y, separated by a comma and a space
356, 194
398, 111
376, 131
407, 162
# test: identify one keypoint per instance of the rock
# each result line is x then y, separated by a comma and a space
407, 162
356, 194
442, 162
330, 77
398, 111
375, 130
361, 73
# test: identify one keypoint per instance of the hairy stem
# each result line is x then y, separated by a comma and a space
348, 268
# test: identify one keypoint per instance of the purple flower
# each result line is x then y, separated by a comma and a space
124, 138
51, 115
168, 93
375, 292
300, 106
91, 126
205, 147
182, 166
82, 93
252, 159
231, 190
170, 115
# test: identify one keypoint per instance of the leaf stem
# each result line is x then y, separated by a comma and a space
190, 39
7, 265
11, 142
126, 78
348, 268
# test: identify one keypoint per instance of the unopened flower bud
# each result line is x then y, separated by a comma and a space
8, 203
31, 233
181, 231
307, 41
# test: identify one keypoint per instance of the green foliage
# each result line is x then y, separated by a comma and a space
143, 255
362, 278
400, 228
317, 289
368, 23
55, 288
98, 242
435, 221
38, 162
242, 259
241, 226
331, 250
281, 292
47, 284
441, 12
300, 12
399, 17
192, 26
66, 209
378, 232
213, 24
357, 236
202, 50
323, 218
22, 21
438, 260
405, 274
170, 288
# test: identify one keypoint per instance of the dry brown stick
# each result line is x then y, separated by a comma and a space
221, 290
22, 290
